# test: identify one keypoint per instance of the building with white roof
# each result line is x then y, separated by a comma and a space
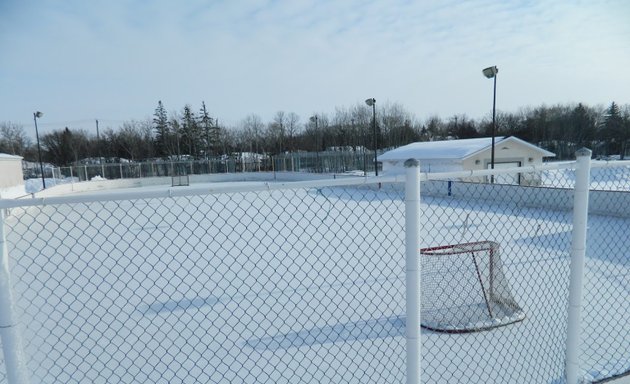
11, 176
466, 154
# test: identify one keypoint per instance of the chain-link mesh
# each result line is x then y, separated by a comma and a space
321, 162
307, 285
534, 240
606, 303
3, 375
464, 288
293, 286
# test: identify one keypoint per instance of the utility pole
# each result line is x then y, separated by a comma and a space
37, 115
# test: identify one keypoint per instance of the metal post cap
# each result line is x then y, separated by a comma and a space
411, 163
583, 152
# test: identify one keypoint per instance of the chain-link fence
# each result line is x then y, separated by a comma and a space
313, 162
533, 252
306, 282
300, 285
606, 315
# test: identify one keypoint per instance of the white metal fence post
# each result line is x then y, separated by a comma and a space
9, 333
578, 251
412, 269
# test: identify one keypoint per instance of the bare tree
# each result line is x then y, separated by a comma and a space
342, 128
395, 126
276, 132
147, 144
292, 130
228, 141
132, 140
62, 147
316, 133
435, 128
13, 139
362, 117
253, 133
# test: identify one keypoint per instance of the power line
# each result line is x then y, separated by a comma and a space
82, 121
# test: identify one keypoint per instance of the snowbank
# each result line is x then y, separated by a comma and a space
12, 192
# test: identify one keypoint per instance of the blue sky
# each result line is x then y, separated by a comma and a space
79, 60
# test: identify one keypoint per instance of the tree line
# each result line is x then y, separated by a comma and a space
196, 134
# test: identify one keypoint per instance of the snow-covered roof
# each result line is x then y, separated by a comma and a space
6, 156
453, 150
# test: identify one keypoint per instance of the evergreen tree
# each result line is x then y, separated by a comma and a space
160, 124
210, 131
460, 127
625, 130
190, 133
216, 140
613, 132
583, 127
174, 138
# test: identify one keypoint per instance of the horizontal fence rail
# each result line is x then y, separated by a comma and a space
312, 281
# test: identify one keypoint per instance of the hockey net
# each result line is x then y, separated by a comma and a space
464, 289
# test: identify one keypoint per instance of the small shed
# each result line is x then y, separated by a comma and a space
11, 176
468, 154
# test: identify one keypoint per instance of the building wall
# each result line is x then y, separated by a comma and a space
510, 152
398, 167
11, 176
504, 152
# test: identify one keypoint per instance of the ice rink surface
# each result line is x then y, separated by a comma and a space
296, 286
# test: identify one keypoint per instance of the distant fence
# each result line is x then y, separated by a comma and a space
601, 202
317, 162
316, 281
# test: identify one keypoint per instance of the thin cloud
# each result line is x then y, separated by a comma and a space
78, 60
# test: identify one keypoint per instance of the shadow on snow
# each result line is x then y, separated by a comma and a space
381, 328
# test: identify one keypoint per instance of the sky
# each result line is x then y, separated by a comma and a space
77, 61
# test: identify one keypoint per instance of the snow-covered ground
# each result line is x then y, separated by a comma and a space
606, 179
294, 286
36, 185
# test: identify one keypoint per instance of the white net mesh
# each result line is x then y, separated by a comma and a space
464, 288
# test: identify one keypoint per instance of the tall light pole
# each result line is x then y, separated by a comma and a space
37, 115
363, 144
314, 120
372, 103
491, 73
98, 150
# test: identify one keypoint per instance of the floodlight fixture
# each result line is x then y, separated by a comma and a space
490, 72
